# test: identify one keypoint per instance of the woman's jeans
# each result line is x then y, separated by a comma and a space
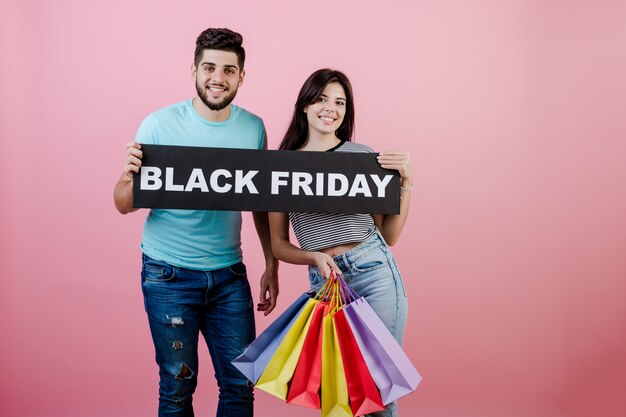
181, 303
371, 270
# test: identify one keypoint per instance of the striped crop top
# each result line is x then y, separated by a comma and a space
316, 231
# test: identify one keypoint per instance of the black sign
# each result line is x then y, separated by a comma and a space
184, 177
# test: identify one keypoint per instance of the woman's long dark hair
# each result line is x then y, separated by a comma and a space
311, 90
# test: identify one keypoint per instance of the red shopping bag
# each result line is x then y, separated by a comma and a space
362, 390
305, 385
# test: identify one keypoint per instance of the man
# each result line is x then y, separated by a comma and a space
193, 278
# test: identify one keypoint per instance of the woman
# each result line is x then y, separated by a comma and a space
353, 245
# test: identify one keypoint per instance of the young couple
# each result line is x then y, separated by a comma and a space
193, 278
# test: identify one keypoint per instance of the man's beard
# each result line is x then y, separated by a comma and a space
226, 100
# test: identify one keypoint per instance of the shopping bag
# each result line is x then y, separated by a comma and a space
334, 389
362, 391
304, 389
391, 369
254, 359
282, 364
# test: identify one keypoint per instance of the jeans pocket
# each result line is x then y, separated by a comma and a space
238, 269
156, 271
370, 261
315, 278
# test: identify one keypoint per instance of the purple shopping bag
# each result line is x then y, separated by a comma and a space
392, 371
254, 359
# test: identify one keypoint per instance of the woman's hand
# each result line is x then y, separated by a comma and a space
325, 264
400, 161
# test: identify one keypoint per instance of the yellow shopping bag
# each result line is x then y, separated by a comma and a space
334, 390
282, 365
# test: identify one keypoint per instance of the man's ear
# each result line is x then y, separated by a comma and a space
194, 71
242, 75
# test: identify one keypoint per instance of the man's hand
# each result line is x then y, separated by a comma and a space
269, 291
133, 160
123, 193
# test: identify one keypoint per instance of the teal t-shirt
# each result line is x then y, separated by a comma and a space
197, 239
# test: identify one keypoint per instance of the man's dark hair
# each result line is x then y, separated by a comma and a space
221, 40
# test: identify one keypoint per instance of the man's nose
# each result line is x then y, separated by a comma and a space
218, 76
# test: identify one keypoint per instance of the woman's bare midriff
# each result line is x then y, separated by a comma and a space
338, 250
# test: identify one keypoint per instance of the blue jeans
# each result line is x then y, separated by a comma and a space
371, 270
180, 304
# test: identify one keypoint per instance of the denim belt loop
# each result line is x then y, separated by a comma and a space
380, 236
346, 262
342, 262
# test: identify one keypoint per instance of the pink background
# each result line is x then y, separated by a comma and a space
513, 255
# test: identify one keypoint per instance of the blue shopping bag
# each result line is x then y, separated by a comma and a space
254, 359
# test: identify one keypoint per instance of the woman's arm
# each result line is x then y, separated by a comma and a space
391, 225
285, 251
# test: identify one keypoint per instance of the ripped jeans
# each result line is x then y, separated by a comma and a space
180, 304
371, 270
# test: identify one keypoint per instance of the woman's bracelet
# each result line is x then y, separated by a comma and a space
405, 190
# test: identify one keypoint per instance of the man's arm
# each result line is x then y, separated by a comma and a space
123, 193
269, 279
